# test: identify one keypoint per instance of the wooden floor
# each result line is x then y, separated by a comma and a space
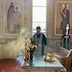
11, 65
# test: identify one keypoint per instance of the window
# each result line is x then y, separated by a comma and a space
39, 15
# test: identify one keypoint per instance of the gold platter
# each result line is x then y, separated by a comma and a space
49, 58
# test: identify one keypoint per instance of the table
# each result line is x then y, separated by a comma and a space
39, 65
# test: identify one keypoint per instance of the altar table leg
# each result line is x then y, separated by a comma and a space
57, 71
26, 70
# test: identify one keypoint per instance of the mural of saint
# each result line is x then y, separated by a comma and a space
65, 14
10, 18
13, 19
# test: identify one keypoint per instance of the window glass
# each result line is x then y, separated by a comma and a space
39, 14
39, 2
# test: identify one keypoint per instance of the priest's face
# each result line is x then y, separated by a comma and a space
38, 30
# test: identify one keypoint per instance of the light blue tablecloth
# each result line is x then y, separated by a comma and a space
38, 63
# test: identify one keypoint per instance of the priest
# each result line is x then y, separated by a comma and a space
39, 39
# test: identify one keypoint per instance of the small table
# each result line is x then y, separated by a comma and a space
39, 65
